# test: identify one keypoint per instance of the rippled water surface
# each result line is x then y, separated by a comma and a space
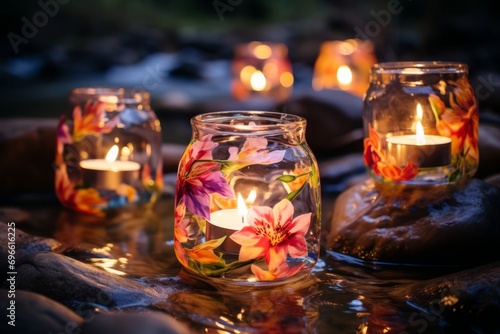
340, 296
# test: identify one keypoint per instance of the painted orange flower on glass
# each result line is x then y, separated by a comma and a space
459, 122
375, 158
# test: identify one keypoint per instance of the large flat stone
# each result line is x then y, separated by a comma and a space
72, 283
456, 225
35, 313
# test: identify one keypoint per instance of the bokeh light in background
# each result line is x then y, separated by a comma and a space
344, 65
261, 69
182, 51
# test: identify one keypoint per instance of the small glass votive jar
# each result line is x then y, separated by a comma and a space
261, 70
108, 151
344, 65
247, 202
421, 123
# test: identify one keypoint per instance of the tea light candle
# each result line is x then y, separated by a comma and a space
425, 150
109, 173
434, 152
226, 222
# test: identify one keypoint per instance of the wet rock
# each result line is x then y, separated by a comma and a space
35, 313
493, 179
8, 214
489, 150
455, 225
12, 238
463, 302
23, 141
339, 173
134, 323
72, 282
334, 120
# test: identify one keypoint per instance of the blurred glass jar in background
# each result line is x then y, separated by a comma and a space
261, 70
344, 65
108, 154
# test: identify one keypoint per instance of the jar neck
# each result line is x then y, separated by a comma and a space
416, 73
119, 96
251, 124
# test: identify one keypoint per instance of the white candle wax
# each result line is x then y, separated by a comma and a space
431, 151
100, 173
229, 219
115, 166
224, 223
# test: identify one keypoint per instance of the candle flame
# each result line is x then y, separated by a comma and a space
242, 208
112, 154
344, 76
251, 197
258, 81
420, 133
419, 128
420, 112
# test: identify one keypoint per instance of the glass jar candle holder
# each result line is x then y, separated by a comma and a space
247, 203
421, 123
344, 65
108, 151
261, 70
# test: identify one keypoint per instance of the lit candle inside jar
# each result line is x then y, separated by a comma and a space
226, 222
344, 77
424, 150
109, 173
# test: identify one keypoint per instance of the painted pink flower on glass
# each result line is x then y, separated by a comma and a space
273, 234
253, 152
281, 272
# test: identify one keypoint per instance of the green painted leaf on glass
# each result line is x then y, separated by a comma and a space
286, 178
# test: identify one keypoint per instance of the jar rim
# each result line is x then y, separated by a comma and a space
240, 121
109, 94
247, 49
419, 67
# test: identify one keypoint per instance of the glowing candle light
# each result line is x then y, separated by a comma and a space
108, 173
226, 222
424, 150
258, 81
344, 77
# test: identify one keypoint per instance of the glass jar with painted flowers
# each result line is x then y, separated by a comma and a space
108, 151
247, 202
421, 123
